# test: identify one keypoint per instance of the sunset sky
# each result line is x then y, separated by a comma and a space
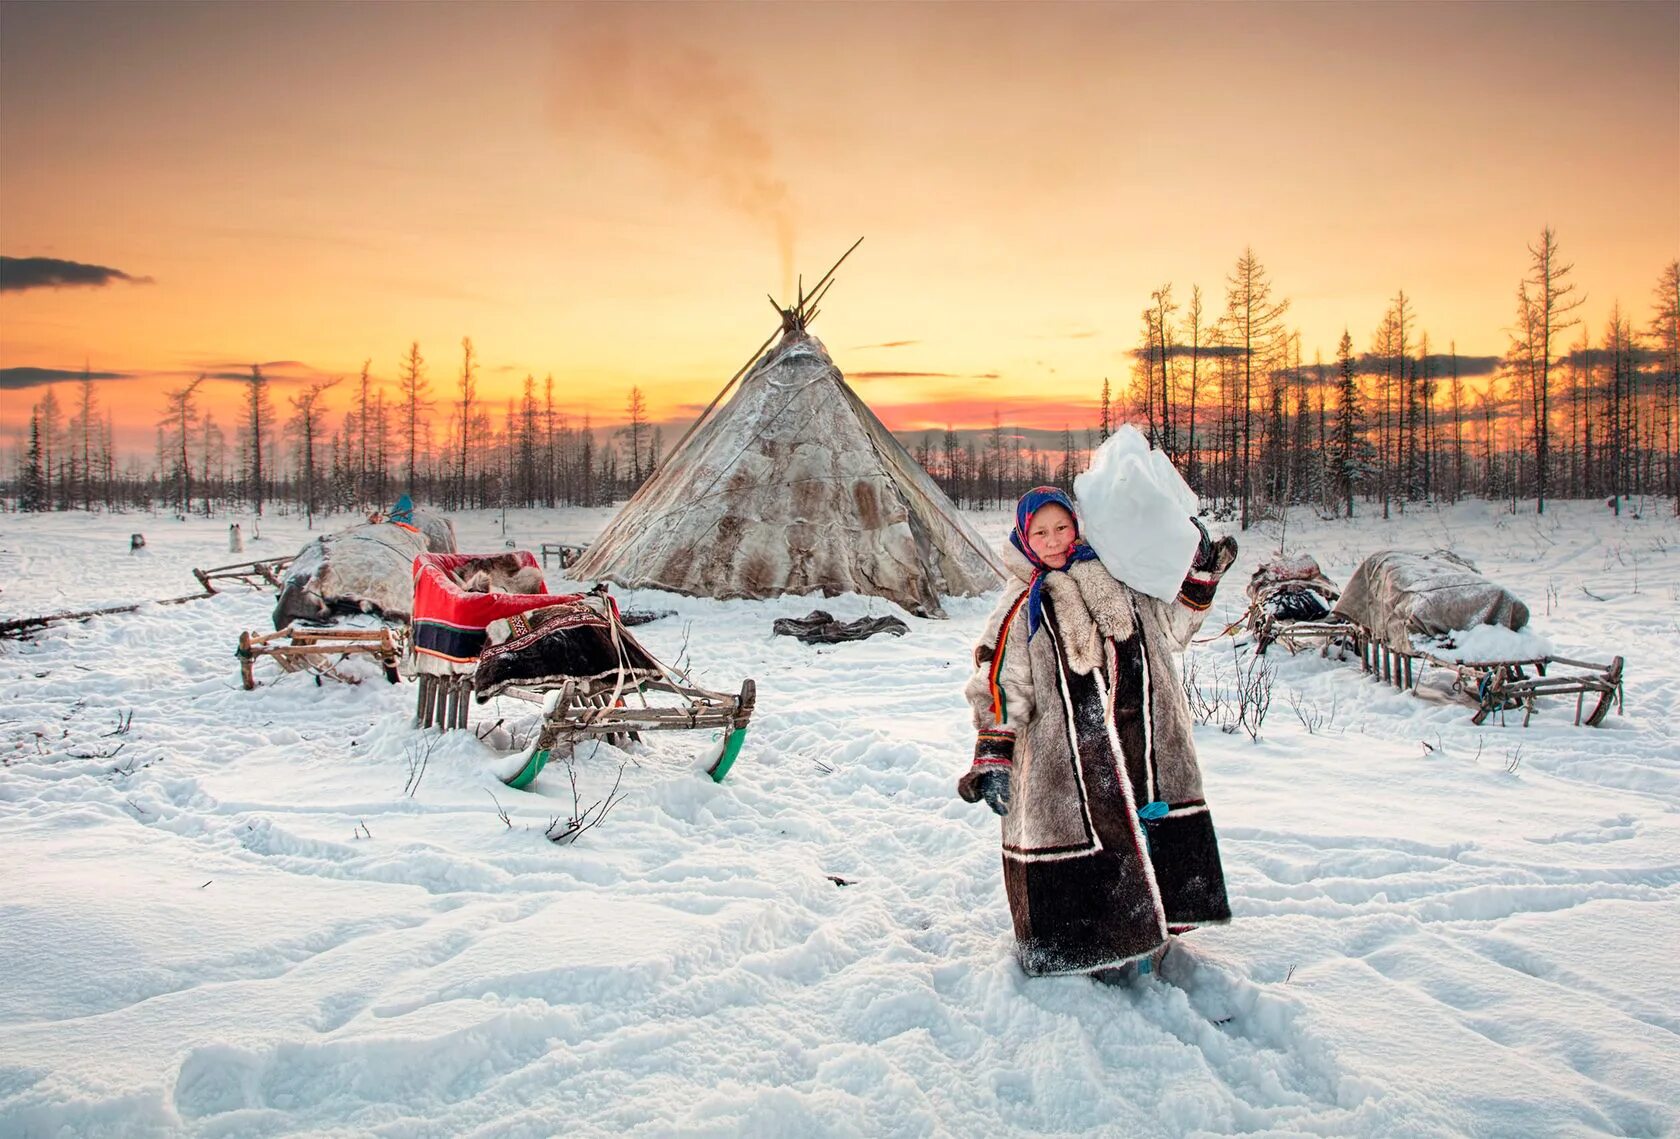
607, 192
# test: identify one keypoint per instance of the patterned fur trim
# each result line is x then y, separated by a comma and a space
994, 746
1197, 590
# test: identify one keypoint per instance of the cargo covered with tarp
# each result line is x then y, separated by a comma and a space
1397, 594
364, 569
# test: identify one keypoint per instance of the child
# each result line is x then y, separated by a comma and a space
1085, 749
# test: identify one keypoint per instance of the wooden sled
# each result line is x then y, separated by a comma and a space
258, 574
319, 651
1501, 685
578, 711
563, 552
1325, 634
446, 655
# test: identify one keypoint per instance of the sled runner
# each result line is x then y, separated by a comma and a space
1501, 685
570, 653
320, 651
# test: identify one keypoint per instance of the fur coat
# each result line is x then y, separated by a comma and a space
1108, 844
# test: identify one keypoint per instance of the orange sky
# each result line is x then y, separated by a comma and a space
607, 192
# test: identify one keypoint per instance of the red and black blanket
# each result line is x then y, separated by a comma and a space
551, 645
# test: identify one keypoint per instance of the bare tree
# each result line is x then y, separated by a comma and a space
259, 413
51, 415
467, 386
635, 411
1193, 330
1665, 331
1255, 321
1162, 307
85, 428
1544, 301
364, 433
1457, 390
306, 425
414, 388
179, 418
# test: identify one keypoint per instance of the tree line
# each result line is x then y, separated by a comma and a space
1562, 411
1565, 411
1226, 393
445, 446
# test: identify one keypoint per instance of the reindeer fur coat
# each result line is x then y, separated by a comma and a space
1108, 844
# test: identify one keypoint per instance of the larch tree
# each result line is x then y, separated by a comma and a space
1457, 392
1347, 420
1618, 411
32, 483
1545, 298
467, 388
1665, 333
51, 416
364, 434
635, 426
415, 390
180, 415
1193, 332
1254, 321
1161, 310
86, 430
259, 414
306, 424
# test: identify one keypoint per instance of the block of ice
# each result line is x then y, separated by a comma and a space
1135, 510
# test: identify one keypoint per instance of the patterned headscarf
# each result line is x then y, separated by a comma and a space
1031, 503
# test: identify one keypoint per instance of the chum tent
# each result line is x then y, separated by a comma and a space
792, 487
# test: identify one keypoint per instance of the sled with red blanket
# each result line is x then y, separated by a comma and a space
569, 653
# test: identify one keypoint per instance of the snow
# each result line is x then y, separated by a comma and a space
1487, 643
1134, 511
230, 919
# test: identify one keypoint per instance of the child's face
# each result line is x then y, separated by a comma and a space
1050, 535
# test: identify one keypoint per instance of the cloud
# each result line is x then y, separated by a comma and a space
1183, 351
886, 344
20, 273
1641, 356
281, 373
1440, 365
18, 379
921, 376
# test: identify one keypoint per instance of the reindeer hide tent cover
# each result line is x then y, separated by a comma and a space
793, 486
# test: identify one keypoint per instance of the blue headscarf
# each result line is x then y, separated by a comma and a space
1031, 503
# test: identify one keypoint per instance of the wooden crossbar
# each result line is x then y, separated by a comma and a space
320, 651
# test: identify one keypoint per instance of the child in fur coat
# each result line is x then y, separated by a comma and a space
1085, 750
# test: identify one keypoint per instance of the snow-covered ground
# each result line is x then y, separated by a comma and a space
223, 916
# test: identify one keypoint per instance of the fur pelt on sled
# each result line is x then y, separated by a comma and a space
557, 643
499, 573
